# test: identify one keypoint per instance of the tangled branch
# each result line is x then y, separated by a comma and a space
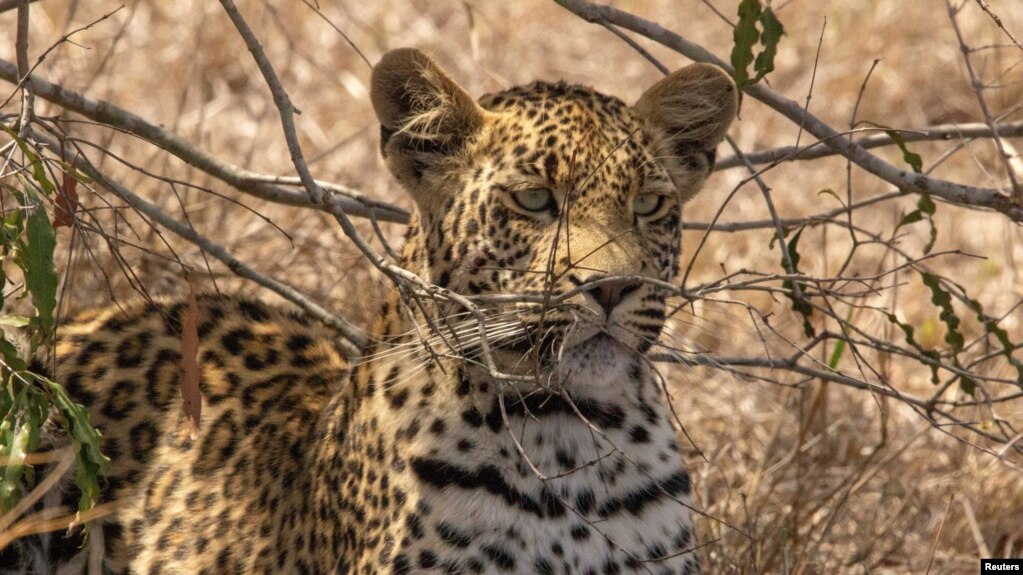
906, 181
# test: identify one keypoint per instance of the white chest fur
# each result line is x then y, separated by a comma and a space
549, 483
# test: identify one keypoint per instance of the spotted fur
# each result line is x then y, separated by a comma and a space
537, 444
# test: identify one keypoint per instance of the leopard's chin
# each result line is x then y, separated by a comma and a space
600, 361
582, 335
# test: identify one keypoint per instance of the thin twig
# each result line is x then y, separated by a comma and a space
998, 22
43, 521
779, 231
67, 459
341, 33
60, 41
978, 89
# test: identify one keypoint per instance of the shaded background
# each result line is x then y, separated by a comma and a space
824, 479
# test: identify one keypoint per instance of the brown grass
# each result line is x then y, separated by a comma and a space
825, 479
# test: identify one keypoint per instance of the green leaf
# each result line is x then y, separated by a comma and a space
10, 481
967, 384
830, 192
941, 298
953, 337
35, 257
744, 37
71, 169
799, 302
924, 209
91, 461
912, 159
992, 328
836, 355
910, 218
38, 169
25, 414
794, 256
12, 227
757, 24
909, 333
10, 355
925, 204
773, 31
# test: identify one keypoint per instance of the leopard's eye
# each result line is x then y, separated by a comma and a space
534, 199
645, 205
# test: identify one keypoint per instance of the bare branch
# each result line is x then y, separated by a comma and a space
765, 191
281, 100
60, 41
939, 132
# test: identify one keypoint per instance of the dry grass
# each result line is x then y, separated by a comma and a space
825, 479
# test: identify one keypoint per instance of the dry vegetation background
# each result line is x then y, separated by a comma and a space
824, 478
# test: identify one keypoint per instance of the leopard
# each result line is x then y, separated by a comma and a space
505, 416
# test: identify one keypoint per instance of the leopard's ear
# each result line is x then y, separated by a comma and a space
424, 115
687, 115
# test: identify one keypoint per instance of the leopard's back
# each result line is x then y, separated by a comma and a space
218, 502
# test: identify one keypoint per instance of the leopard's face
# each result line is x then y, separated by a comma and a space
562, 189
552, 191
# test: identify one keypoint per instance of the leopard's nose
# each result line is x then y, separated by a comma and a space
609, 293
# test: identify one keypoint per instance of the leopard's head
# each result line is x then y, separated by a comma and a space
551, 189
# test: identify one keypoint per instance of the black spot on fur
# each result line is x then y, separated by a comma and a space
440, 474
634, 501
130, 351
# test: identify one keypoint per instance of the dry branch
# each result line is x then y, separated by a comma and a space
939, 132
987, 198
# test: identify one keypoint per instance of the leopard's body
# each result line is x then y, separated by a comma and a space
423, 460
